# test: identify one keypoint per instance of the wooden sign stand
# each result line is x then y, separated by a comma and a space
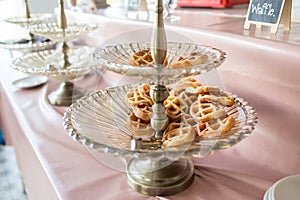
269, 13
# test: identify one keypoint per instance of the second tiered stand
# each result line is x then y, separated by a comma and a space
65, 64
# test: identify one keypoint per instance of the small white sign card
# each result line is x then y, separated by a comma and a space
269, 13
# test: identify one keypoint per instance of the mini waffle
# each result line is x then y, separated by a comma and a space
143, 58
138, 127
192, 59
194, 111
178, 134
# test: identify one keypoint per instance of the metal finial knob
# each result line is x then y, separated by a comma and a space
159, 120
159, 93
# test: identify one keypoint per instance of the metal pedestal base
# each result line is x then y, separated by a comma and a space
66, 94
160, 178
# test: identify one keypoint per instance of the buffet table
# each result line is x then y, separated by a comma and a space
262, 70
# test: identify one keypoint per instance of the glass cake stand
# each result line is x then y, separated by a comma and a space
55, 33
99, 121
31, 42
25, 45
66, 64
51, 63
35, 18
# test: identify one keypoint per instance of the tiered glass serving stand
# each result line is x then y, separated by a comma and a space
65, 64
34, 18
31, 42
99, 120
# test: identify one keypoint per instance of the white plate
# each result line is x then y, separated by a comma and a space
268, 194
287, 188
30, 82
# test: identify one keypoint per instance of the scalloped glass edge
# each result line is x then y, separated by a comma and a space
35, 18
124, 51
55, 33
53, 74
199, 149
36, 46
50, 27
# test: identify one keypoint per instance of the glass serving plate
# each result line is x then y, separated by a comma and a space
57, 34
26, 45
116, 58
49, 63
60, 66
35, 18
99, 121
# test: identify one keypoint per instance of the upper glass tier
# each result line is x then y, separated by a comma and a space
50, 63
118, 57
57, 34
35, 18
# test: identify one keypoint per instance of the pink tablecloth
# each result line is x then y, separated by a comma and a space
265, 73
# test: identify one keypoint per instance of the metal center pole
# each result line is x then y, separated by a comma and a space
159, 92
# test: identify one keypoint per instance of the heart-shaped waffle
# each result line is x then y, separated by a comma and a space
224, 100
139, 127
136, 97
187, 99
144, 91
215, 128
143, 111
205, 112
178, 134
174, 108
185, 83
141, 58
192, 59
203, 90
